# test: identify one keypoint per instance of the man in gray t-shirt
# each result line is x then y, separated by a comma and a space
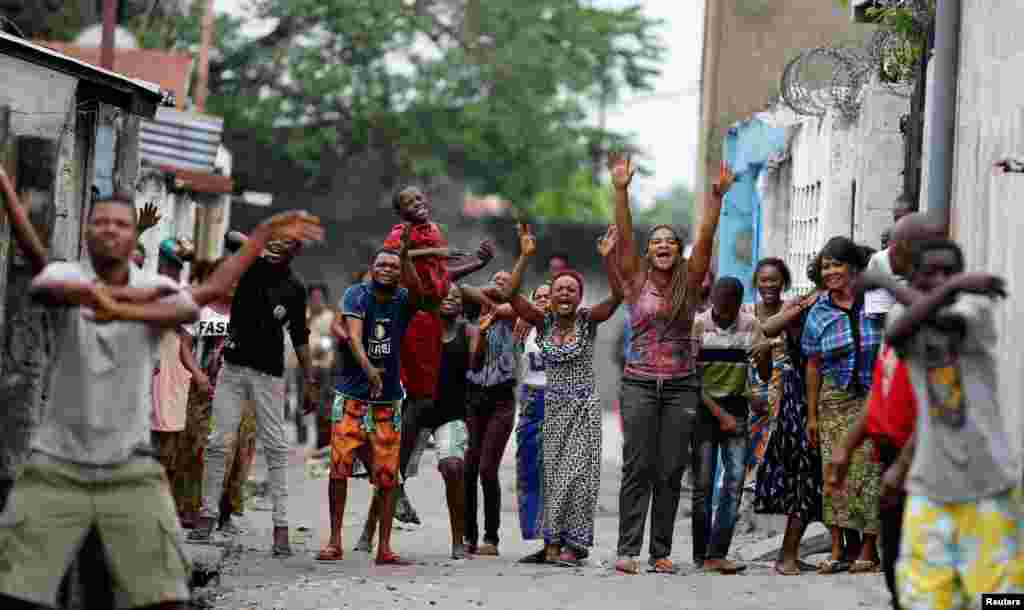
964, 517
88, 469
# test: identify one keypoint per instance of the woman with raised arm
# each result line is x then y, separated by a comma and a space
572, 407
660, 390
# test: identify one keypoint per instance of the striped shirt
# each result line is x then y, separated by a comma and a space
723, 355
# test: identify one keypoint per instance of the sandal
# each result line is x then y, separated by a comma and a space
627, 565
539, 557
663, 565
569, 559
331, 552
392, 559
832, 566
864, 567
784, 572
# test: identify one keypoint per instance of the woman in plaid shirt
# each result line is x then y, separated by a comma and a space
841, 342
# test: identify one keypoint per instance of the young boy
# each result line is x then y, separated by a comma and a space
367, 405
726, 336
421, 347
963, 534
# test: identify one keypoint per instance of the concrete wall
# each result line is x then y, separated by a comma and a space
986, 215
834, 178
878, 163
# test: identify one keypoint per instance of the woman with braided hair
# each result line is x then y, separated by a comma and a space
660, 391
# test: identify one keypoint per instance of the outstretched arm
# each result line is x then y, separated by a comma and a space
607, 248
925, 307
622, 171
484, 255
475, 295
24, 233
700, 258
299, 226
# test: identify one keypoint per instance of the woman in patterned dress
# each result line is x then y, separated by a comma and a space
771, 279
789, 478
841, 342
572, 407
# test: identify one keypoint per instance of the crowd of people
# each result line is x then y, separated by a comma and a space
869, 404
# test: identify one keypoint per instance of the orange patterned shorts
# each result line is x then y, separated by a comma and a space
376, 446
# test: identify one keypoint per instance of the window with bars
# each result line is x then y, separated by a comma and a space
803, 236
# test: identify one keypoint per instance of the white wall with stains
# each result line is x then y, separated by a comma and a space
986, 212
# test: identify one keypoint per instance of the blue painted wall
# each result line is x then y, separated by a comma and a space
748, 146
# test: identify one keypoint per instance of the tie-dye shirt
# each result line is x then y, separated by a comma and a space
656, 349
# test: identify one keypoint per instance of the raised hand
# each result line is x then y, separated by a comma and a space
485, 252
527, 242
148, 217
724, 182
606, 244
622, 170
294, 225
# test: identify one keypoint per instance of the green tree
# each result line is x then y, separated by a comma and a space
579, 200
675, 207
495, 93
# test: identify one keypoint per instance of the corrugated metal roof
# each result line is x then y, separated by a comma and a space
134, 95
185, 140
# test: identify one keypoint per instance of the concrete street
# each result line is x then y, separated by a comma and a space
252, 579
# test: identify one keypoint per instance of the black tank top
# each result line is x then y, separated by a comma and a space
451, 395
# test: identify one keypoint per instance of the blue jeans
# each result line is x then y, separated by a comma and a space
713, 529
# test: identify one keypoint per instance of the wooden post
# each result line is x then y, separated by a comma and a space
205, 41
107, 44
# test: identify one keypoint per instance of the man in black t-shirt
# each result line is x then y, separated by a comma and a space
269, 300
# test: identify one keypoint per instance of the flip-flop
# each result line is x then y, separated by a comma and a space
330, 552
392, 559
627, 566
832, 566
864, 567
662, 566
782, 572
539, 557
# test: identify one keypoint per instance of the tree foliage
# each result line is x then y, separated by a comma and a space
495, 93
676, 207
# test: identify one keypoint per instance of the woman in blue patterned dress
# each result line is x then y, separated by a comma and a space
530, 434
572, 407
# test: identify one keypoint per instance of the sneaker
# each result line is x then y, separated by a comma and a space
487, 550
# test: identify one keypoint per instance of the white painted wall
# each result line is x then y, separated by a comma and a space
986, 213
810, 197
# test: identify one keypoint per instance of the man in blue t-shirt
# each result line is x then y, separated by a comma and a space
367, 403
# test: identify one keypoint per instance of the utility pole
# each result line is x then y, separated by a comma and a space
205, 41
107, 44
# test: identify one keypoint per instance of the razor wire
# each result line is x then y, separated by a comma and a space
834, 77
